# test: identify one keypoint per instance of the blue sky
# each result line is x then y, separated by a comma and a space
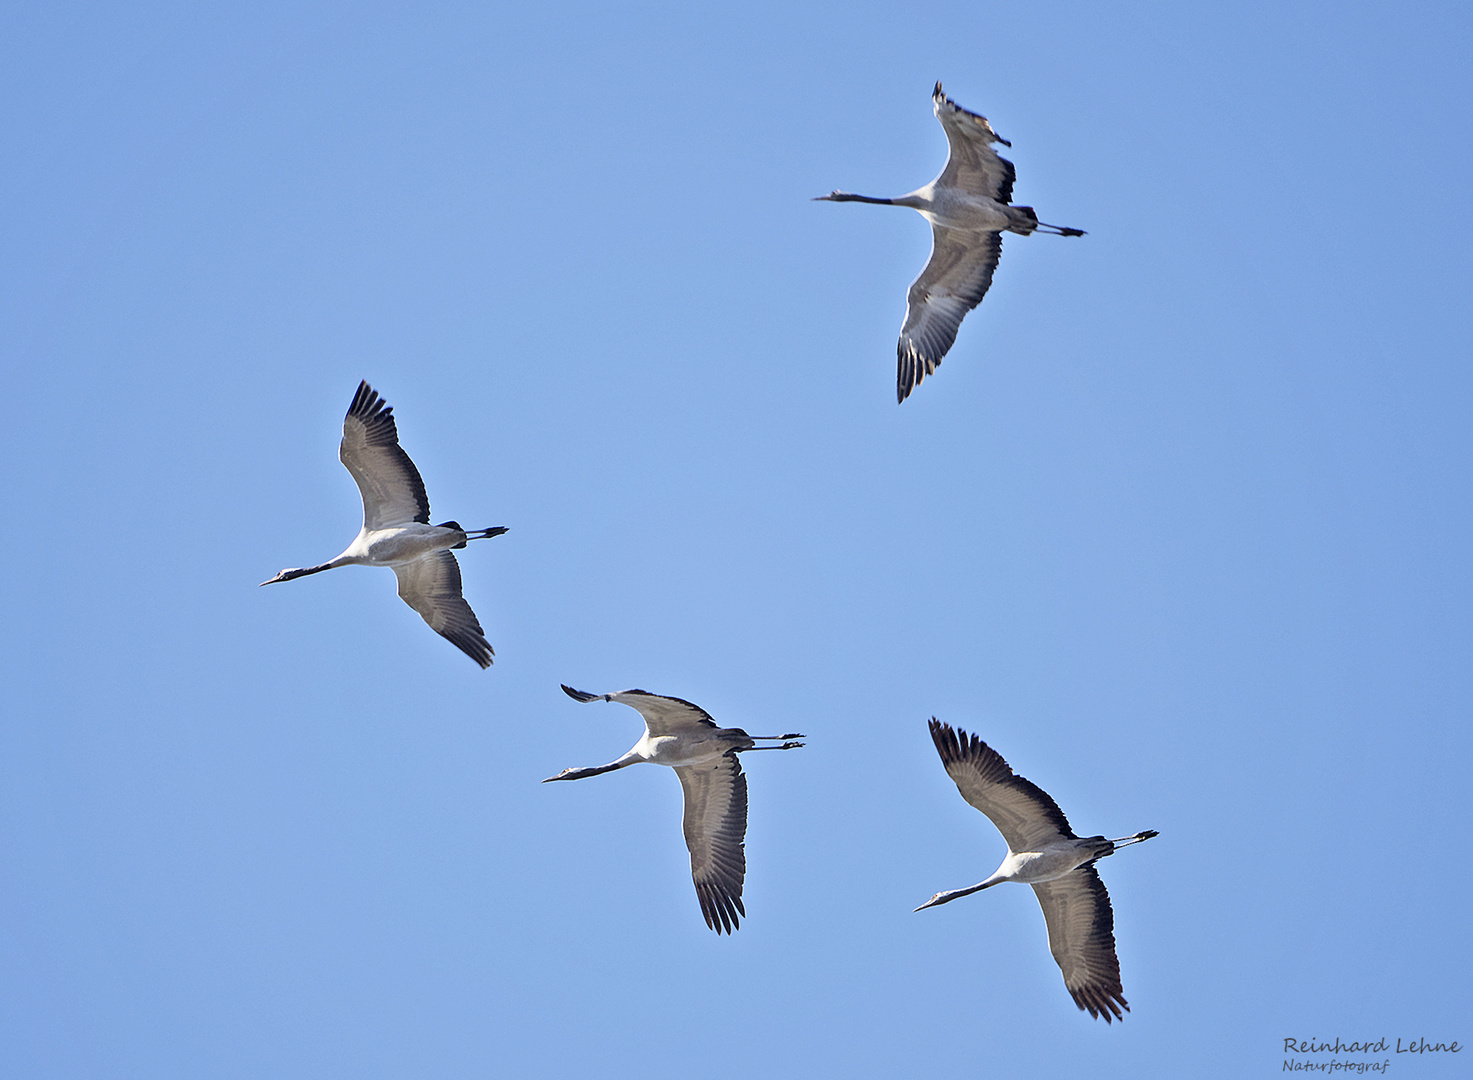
1181, 527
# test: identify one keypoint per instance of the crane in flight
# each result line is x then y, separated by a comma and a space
968, 208
1044, 852
704, 756
397, 531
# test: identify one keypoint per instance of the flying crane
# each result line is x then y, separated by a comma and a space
397, 531
704, 756
968, 208
1044, 852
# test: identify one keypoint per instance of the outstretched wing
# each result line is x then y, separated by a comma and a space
972, 165
665, 715
1022, 811
715, 828
393, 492
431, 586
1081, 935
952, 284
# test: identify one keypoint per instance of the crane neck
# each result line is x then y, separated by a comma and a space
292, 575
845, 196
594, 770
957, 894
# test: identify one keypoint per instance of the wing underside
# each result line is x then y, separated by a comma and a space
715, 826
1081, 935
954, 282
972, 165
431, 586
665, 715
1022, 811
392, 489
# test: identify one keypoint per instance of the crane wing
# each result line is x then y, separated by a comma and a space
431, 585
715, 827
393, 492
1081, 935
952, 284
972, 165
665, 715
1022, 811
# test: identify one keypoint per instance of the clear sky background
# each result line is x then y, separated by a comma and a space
1181, 527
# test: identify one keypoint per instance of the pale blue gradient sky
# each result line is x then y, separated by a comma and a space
1181, 527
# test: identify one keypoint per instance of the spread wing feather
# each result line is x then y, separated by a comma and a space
1081, 935
665, 715
431, 585
973, 165
954, 282
715, 827
1022, 811
392, 490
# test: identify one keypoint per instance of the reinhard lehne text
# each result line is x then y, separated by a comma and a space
1380, 1048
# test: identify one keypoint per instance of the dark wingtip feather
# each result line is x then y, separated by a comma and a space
958, 746
946, 741
1100, 1002
907, 371
361, 396
473, 644
579, 695
377, 417
723, 913
367, 405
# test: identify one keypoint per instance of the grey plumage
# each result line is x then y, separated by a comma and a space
1044, 852
968, 206
396, 528
704, 756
